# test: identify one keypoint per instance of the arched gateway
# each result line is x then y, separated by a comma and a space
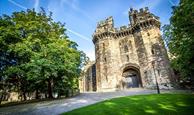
131, 77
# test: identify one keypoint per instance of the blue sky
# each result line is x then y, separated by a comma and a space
81, 16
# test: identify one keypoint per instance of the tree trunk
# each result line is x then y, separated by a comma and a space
45, 95
3, 94
24, 95
49, 89
1, 98
37, 97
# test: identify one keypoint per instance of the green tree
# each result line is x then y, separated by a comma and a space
179, 35
8, 35
42, 57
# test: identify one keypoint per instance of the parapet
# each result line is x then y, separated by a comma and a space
107, 22
139, 19
104, 25
143, 14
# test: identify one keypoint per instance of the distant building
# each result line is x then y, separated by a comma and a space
130, 56
87, 80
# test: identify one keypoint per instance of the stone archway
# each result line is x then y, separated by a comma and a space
131, 78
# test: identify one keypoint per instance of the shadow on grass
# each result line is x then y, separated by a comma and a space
163, 104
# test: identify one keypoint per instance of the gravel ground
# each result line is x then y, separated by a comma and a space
59, 106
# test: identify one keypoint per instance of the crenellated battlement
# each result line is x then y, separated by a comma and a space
105, 25
142, 15
139, 20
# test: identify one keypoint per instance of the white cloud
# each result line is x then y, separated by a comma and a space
36, 4
57, 6
74, 4
172, 3
17, 4
78, 34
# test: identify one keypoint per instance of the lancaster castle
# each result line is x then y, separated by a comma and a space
128, 57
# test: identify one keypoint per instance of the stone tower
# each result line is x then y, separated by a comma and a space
131, 56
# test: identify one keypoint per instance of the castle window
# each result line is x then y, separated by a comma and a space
127, 58
125, 48
152, 51
146, 74
104, 59
134, 18
106, 78
156, 50
130, 44
103, 45
158, 72
148, 34
147, 77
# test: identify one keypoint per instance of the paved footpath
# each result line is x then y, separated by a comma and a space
63, 105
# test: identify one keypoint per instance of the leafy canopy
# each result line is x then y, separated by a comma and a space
36, 53
180, 38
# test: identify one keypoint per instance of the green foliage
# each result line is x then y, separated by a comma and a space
41, 56
180, 38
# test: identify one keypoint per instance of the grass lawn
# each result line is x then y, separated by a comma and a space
163, 104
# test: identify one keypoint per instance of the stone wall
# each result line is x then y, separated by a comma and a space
87, 81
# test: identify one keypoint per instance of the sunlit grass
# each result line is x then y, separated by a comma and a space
163, 104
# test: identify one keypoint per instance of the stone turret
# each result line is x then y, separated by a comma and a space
105, 24
137, 17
